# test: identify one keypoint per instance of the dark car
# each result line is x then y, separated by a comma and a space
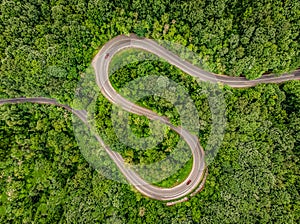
189, 181
107, 55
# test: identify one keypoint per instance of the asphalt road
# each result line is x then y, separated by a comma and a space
101, 67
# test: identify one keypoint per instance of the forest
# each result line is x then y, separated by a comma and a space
46, 45
46, 48
253, 178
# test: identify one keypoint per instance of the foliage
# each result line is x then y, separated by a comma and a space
45, 45
254, 178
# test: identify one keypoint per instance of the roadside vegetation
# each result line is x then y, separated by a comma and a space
140, 128
254, 177
45, 46
177, 177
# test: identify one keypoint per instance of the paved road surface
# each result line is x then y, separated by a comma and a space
101, 65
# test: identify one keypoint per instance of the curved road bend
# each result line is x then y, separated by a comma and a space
121, 42
101, 66
141, 185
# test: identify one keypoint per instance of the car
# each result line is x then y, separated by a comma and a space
107, 55
188, 182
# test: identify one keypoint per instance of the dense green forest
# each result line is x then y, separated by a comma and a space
45, 49
45, 45
254, 178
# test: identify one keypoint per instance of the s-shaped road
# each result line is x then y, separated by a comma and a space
101, 66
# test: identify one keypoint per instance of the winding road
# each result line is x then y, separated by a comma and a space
101, 64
